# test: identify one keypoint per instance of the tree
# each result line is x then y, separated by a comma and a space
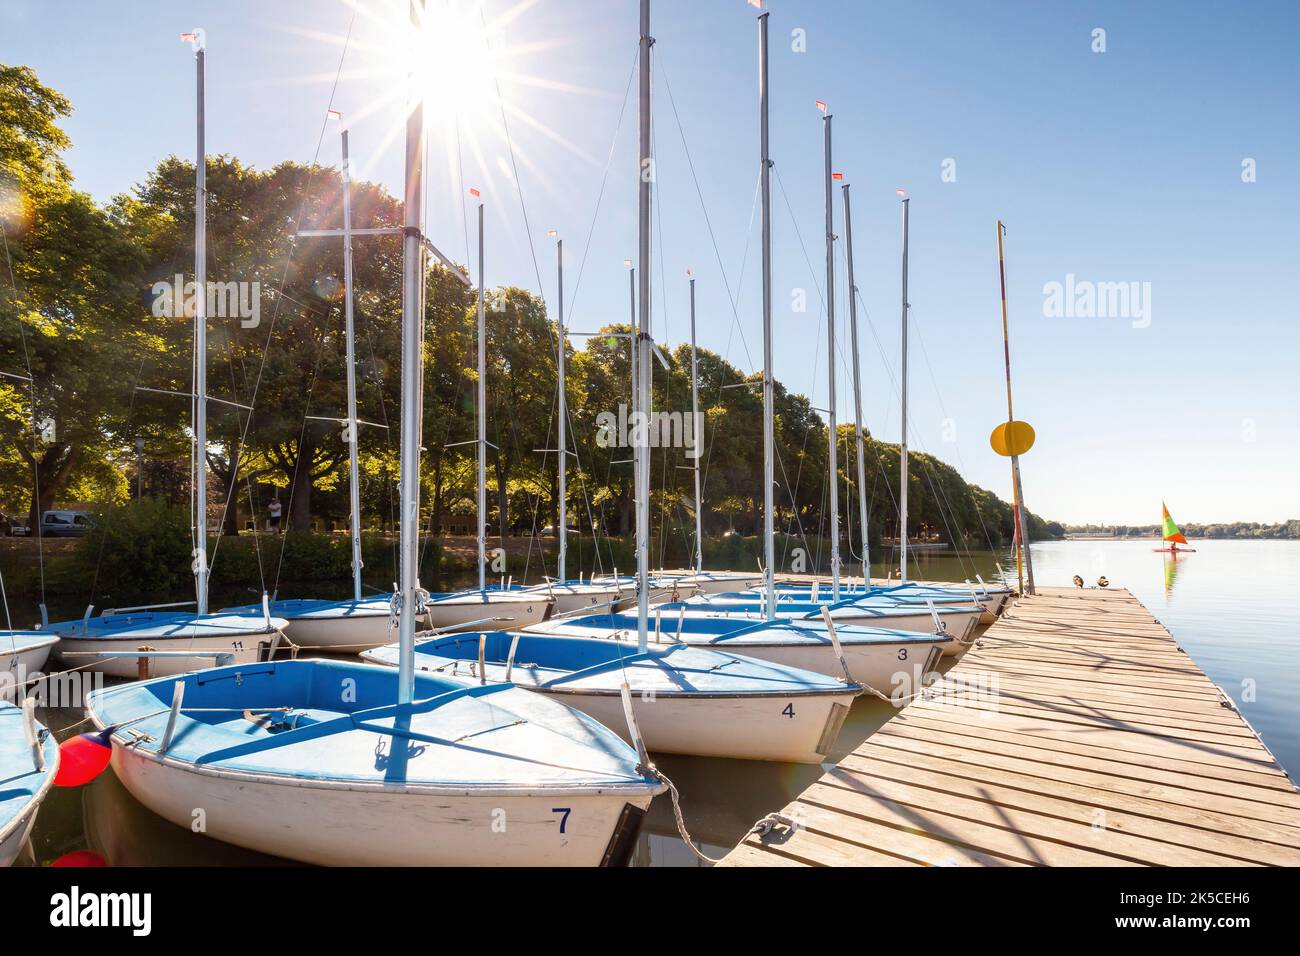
71, 316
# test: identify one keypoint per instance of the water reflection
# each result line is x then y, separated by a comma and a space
1171, 575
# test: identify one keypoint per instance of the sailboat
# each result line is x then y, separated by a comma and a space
705, 582
568, 596
175, 642
360, 622
29, 760
1170, 534
22, 653
334, 762
687, 700
484, 606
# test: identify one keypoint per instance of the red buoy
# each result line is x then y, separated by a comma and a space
80, 858
83, 758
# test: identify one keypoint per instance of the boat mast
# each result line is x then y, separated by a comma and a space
902, 445
349, 335
769, 440
695, 419
642, 352
410, 600
200, 341
832, 467
1018, 503
564, 415
631, 337
857, 394
480, 401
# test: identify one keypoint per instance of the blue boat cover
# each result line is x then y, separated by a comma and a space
159, 625
598, 665
11, 641
20, 781
882, 608
335, 722
718, 632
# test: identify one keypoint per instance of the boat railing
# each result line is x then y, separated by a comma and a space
142, 607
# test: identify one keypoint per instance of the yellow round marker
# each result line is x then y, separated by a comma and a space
1012, 438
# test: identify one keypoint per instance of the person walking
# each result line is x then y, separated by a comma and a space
274, 510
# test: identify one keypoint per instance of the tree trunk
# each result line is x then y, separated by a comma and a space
50, 473
503, 497
300, 490
437, 495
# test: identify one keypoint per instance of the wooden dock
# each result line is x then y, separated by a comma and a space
1076, 733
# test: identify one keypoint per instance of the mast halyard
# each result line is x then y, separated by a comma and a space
902, 444
200, 399
695, 419
832, 467
642, 352
769, 436
857, 393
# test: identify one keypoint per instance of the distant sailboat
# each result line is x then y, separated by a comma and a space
1170, 534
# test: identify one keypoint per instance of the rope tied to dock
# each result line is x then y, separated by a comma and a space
761, 827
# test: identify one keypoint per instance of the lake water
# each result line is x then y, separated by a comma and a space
1233, 605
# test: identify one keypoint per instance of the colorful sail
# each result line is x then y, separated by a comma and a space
1169, 530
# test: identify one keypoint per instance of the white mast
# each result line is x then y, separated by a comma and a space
769, 439
902, 445
410, 600
564, 415
641, 354
480, 402
695, 418
832, 466
857, 394
349, 334
351, 422
200, 343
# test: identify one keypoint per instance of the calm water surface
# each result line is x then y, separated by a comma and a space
1233, 605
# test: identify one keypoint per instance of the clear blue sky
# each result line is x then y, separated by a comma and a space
1114, 167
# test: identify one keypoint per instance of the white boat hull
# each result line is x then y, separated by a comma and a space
341, 635
961, 627
372, 826
244, 649
14, 842
585, 598
22, 663
503, 614
883, 667
791, 729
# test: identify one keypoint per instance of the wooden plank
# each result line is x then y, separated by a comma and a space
746, 855
816, 848
1245, 785
1086, 737
1232, 836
